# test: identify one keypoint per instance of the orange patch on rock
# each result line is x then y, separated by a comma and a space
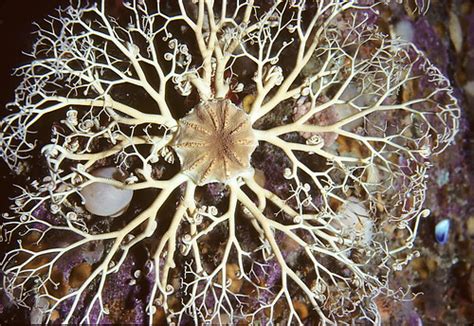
79, 274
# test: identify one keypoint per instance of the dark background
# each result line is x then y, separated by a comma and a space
16, 33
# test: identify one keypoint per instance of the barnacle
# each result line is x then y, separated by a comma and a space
293, 122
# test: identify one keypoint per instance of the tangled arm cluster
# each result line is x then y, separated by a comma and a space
273, 149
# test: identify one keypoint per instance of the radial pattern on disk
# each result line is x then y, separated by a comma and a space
214, 142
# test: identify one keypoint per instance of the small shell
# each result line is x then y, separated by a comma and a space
103, 199
442, 231
455, 31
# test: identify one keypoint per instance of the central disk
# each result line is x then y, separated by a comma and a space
214, 142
